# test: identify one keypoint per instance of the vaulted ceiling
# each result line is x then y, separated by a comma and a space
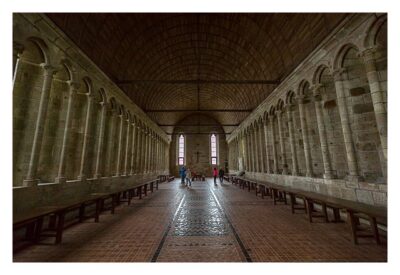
174, 65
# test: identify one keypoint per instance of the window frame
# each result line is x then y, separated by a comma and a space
178, 149
216, 156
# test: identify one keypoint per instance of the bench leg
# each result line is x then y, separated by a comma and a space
145, 190
30, 231
81, 212
60, 227
336, 215
310, 208
140, 192
292, 201
324, 212
375, 230
38, 229
97, 211
353, 226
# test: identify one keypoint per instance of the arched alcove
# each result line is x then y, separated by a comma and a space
197, 130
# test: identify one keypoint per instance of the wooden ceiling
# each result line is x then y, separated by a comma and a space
174, 65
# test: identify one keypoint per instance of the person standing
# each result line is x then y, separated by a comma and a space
182, 174
215, 174
221, 174
188, 178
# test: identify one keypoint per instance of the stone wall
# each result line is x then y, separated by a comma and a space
198, 150
74, 130
324, 128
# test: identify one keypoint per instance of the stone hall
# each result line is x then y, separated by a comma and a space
199, 137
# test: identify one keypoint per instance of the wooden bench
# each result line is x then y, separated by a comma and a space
199, 177
162, 178
33, 221
170, 178
355, 210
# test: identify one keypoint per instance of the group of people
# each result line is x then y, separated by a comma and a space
186, 175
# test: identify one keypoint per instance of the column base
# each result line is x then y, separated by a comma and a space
328, 176
82, 177
97, 176
60, 180
354, 178
309, 175
30, 183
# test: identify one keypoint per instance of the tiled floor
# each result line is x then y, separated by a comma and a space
205, 223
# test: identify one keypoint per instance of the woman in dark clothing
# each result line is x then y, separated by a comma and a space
221, 175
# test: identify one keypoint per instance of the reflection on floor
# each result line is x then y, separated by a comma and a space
204, 223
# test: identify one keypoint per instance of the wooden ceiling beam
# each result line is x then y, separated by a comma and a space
199, 82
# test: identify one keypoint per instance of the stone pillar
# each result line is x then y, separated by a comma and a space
246, 155
61, 168
266, 145
261, 151
138, 151
282, 145
133, 150
127, 147
322, 133
377, 96
145, 150
304, 132
86, 135
344, 119
17, 52
292, 141
97, 173
30, 179
119, 150
255, 150
275, 165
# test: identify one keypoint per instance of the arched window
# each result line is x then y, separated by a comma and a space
181, 150
213, 142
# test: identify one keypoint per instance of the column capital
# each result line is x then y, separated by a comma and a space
73, 85
316, 90
48, 68
340, 74
301, 99
18, 49
369, 53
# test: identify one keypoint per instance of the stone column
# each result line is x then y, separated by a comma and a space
282, 145
86, 135
30, 179
344, 119
127, 147
138, 151
322, 133
266, 145
304, 132
73, 87
377, 96
119, 150
291, 140
133, 149
17, 52
97, 173
255, 150
275, 165
145, 150
246, 150
261, 151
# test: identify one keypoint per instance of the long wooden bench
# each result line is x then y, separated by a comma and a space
355, 210
33, 221
170, 178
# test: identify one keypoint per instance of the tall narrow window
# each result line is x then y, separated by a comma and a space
213, 149
181, 150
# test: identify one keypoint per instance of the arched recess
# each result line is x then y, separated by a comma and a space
267, 142
311, 129
197, 139
110, 136
77, 130
361, 115
331, 118
284, 148
99, 101
54, 125
27, 89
